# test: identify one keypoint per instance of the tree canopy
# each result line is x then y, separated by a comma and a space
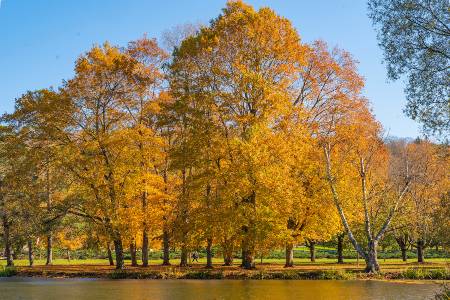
414, 35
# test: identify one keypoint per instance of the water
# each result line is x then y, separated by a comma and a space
91, 289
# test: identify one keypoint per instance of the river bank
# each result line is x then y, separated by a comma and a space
430, 271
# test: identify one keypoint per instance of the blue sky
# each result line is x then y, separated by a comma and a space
40, 40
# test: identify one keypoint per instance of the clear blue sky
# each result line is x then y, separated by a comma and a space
40, 40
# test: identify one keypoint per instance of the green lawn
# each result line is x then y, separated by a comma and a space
278, 261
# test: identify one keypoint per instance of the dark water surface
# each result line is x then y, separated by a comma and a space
80, 289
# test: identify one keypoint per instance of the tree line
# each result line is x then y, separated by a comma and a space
243, 138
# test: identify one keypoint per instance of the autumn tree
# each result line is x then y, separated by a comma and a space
323, 80
330, 91
428, 166
9, 146
37, 124
237, 73
110, 115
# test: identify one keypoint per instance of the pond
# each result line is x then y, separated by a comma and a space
68, 289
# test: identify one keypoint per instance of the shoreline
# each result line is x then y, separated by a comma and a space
232, 273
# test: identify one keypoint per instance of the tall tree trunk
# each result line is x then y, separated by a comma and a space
49, 209
68, 254
340, 248
133, 253
49, 249
184, 257
144, 233
227, 254
404, 254
420, 251
110, 257
312, 251
209, 263
7, 241
248, 251
118, 248
289, 255
248, 240
145, 246
371, 259
30, 253
402, 241
166, 247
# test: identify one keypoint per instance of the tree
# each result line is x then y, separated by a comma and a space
36, 122
380, 195
144, 110
236, 73
109, 112
428, 166
326, 82
414, 37
329, 91
9, 148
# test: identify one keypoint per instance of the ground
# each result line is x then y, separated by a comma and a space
303, 269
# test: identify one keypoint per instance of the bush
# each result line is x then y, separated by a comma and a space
202, 275
334, 275
7, 271
420, 273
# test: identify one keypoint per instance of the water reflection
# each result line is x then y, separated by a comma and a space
68, 289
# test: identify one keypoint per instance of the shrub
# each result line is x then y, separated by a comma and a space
334, 275
7, 271
420, 273
202, 275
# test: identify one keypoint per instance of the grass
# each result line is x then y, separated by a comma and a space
270, 269
420, 273
7, 271
320, 262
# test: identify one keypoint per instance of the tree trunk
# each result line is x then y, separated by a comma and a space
312, 251
7, 242
402, 243
372, 265
404, 255
110, 257
209, 263
289, 255
340, 248
166, 247
228, 260
420, 250
68, 254
184, 257
248, 259
145, 246
49, 248
248, 251
144, 233
30, 253
227, 255
133, 254
118, 248
49, 209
